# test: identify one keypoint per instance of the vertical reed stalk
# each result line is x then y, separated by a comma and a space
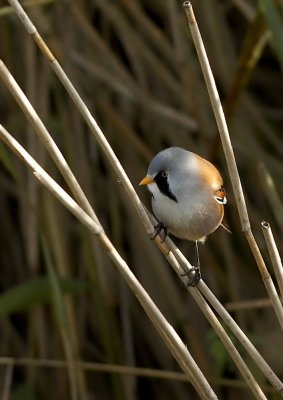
230, 159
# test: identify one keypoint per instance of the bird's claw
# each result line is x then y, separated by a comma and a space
161, 230
194, 276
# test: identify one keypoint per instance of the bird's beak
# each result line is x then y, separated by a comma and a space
146, 181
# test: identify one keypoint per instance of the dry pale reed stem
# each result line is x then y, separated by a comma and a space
45, 137
274, 254
240, 335
230, 159
219, 115
271, 194
171, 338
234, 354
183, 266
202, 289
269, 285
235, 329
228, 344
245, 305
92, 124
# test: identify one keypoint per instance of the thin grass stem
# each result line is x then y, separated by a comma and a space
121, 369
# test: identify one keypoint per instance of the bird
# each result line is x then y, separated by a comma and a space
188, 197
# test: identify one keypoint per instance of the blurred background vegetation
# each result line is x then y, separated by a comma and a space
134, 64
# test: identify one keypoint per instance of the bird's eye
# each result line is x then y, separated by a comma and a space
164, 174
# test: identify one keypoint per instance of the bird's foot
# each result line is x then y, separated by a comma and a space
194, 276
161, 230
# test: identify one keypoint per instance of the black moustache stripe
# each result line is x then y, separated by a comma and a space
163, 186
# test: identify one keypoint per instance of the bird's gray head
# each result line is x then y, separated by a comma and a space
167, 170
170, 160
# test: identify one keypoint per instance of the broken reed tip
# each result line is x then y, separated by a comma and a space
265, 225
187, 4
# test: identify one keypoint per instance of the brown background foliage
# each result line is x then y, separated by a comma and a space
134, 64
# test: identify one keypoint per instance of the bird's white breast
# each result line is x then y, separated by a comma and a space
193, 217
